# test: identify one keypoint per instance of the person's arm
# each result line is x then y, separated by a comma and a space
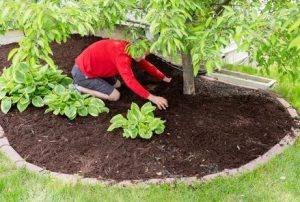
124, 68
151, 69
125, 71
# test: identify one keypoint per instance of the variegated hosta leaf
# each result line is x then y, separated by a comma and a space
139, 122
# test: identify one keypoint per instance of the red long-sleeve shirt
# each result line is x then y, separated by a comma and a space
107, 58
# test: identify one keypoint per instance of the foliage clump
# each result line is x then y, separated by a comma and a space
64, 101
23, 84
139, 122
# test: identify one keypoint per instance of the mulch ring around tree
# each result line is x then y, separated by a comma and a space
221, 127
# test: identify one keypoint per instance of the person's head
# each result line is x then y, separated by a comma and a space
138, 50
138, 58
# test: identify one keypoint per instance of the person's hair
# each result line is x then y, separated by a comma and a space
138, 49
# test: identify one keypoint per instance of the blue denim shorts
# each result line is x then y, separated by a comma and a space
102, 85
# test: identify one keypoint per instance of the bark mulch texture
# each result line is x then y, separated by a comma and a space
221, 127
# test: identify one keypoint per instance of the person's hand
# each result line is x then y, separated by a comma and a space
160, 102
167, 79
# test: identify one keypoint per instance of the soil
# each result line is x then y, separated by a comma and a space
221, 127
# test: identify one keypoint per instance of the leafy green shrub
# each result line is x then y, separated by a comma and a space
68, 102
139, 122
23, 84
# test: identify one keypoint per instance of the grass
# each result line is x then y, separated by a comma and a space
278, 180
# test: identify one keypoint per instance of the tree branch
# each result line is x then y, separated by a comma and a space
219, 10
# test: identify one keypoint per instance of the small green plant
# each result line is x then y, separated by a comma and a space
24, 84
64, 101
139, 122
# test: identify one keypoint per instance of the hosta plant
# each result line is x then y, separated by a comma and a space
24, 84
140, 122
64, 101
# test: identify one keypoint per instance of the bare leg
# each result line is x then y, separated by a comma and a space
114, 96
117, 84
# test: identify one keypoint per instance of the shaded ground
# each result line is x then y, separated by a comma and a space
221, 127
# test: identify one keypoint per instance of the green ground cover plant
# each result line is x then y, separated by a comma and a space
68, 102
139, 122
24, 84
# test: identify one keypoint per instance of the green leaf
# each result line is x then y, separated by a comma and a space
103, 109
116, 118
118, 121
146, 135
56, 111
210, 66
19, 76
2, 94
66, 81
48, 110
93, 110
144, 131
24, 100
134, 112
294, 26
16, 98
59, 89
295, 42
22, 106
30, 89
155, 123
78, 104
97, 102
83, 111
196, 70
12, 53
134, 106
132, 116
130, 133
5, 104
37, 101
160, 129
24, 67
70, 112
147, 108
112, 127
208, 21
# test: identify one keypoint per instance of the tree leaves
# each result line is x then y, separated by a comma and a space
295, 42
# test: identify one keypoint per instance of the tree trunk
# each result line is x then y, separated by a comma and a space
188, 74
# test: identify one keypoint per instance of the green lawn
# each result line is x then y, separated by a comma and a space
279, 180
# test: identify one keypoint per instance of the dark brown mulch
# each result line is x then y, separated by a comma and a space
221, 127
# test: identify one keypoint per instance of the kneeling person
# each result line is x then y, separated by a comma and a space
96, 67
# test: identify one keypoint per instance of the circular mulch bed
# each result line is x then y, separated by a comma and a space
221, 127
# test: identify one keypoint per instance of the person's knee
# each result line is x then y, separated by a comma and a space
117, 84
114, 96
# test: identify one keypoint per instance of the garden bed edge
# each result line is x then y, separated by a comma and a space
285, 142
